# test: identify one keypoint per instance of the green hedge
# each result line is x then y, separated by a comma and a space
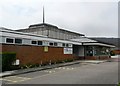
112, 53
7, 59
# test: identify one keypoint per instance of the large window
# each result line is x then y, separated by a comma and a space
89, 50
55, 44
51, 44
63, 44
26, 41
45, 43
39, 42
34, 42
9, 40
67, 45
70, 45
59, 44
19, 41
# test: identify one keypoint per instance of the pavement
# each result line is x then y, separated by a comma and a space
115, 58
82, 73
22, 71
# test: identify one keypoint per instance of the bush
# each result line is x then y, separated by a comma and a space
7, 59
29, 65
118, 84
112, 53
68, 60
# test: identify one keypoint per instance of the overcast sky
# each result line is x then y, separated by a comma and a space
93, 18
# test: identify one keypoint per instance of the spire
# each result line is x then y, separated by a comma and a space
43, 15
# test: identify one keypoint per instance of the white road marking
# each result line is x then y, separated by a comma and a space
48, 71
63, 68
67, 68
72, 68
15, 79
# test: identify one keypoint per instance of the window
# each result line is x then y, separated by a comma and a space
2, 39
19, 41
63, 44
55, 44
51, 44
67, 45
9, 40
70, 45
39, 42
26, 41
59, 44
89, 51
34, 42
45, 43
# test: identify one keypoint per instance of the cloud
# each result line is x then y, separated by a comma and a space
95, 18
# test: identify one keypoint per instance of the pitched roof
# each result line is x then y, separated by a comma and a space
48, 25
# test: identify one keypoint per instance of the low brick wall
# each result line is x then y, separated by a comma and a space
91, 57
79, 57
104, 57
97, 57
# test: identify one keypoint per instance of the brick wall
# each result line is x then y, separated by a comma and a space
91, 57
97, 57
35, 54
104, 57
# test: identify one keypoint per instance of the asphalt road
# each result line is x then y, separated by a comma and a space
103, 73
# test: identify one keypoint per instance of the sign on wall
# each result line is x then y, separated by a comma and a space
68, 51
17, 62
46, 49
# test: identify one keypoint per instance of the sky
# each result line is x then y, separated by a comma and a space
94, 18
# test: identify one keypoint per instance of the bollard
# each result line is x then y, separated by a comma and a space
50, 62
41, 63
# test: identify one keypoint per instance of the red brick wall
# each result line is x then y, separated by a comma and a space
35, 54
79, 57
91, 58
104, 57
97, 57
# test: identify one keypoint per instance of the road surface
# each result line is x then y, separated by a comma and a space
83, 73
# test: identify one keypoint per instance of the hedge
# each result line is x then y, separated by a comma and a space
112, 53
7, 59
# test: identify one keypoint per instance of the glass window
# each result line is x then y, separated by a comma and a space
67, 45
89, 50
70, 45
55, 44
39, 42
45, 43
51, 44
34, 42
9, 40
26, 41
18, 41
59, 44
63, 44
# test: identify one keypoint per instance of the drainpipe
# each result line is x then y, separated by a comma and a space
93, 51
50, 62
41, 63
84, 50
